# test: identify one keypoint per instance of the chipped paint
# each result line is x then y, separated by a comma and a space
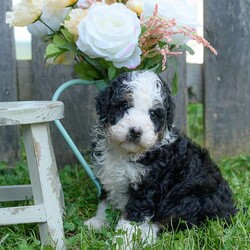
17, 210
30, 112
37, 149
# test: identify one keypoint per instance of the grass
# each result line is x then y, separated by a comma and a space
81, 202
195, 122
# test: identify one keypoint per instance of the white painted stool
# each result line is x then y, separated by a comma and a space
45, 184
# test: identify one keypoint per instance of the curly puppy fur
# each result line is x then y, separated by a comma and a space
150, 171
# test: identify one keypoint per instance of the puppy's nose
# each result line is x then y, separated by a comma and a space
135, 132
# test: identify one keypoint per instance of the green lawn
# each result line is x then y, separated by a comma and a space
81, 202
195, 122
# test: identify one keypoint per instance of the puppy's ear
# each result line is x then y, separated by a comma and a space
102, 104
168, 103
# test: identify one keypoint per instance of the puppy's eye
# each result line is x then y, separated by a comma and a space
156, 113
153, 114
124, 106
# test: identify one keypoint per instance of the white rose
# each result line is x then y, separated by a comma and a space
53, 17
111, 32
24, 13
183, 11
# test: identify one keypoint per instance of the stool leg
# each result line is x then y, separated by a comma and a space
45, 182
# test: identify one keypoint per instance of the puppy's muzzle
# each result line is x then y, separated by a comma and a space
135, 134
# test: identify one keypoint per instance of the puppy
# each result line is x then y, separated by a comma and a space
152, 173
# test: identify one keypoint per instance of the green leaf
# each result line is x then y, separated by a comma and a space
69, 226
187, 48
85, 71
70, 47
103, 62
69, 37
119, 241
172, 61
175, 84
111, 72
52, 50
95, 64
161, 44
64, 44
58, 41
153, 63
143, 29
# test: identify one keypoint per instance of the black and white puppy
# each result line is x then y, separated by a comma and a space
152, 173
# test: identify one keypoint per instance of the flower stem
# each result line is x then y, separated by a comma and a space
47, 25
97, 66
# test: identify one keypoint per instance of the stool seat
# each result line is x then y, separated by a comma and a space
46, 190
29, 112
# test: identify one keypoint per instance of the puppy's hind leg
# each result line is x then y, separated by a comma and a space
99, 220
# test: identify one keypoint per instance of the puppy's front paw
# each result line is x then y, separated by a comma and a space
124, 241
133, 235
95, 223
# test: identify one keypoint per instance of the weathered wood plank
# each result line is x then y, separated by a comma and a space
195, 82
15, 193
46, 186
180, 99
20, 215
9, 146
227, 81
29, 112
79, 103
24, 80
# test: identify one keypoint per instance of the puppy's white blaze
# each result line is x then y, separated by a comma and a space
146, 92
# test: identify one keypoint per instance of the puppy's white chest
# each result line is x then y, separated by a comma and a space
116, 174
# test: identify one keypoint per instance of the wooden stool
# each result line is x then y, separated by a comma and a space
45, 184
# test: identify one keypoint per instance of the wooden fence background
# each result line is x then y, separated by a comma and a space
222, 84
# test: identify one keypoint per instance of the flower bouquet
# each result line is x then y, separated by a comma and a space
102, 39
